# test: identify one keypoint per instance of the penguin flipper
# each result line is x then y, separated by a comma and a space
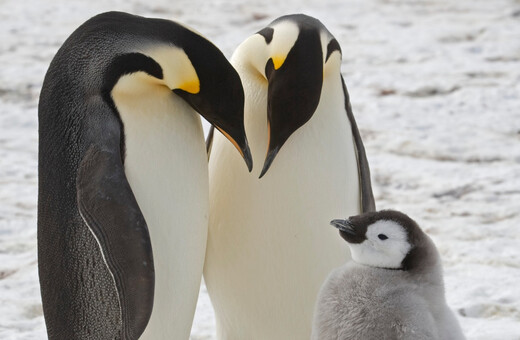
110, 210
209, 140
367, 197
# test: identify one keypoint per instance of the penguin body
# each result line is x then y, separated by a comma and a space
393, 288
268, 249
123, 190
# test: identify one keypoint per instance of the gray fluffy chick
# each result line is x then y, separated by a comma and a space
393, 288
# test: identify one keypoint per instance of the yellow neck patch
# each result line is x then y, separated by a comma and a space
278, 61
191, 86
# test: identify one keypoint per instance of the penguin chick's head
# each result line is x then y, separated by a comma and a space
385, 239
291, 57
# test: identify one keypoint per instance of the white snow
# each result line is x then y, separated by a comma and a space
435, 87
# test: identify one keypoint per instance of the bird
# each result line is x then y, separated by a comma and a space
268, 249
392, 289
123, 196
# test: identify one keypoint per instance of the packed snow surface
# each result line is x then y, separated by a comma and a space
435, 88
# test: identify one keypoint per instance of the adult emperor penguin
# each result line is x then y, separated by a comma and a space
268, 248
123, 174
393, 288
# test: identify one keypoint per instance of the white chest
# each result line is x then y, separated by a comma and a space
270, 244
166, 166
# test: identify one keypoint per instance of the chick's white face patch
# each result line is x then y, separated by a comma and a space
386, 245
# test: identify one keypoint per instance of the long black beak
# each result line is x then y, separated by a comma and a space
269, 158
294, 91
242, 146
220, 99
227, 116
345, 226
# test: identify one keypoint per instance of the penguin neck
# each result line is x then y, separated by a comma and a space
164, 146
166, 167
317, 130
255, 108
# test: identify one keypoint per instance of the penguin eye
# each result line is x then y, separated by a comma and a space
382, 237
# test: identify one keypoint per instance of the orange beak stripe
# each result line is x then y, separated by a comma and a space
232, 141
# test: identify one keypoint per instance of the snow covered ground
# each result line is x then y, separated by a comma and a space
435, 87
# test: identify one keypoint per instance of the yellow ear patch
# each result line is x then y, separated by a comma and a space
191, 86
178, 71
278, 61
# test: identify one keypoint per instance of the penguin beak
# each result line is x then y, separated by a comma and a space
345, 226
294, 91
348, 231
222, 105
241, 144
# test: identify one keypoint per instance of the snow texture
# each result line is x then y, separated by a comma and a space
435, 88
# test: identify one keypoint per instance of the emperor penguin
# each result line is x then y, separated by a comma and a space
268, 249
123, 178
393, 288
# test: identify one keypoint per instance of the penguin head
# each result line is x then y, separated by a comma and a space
220, 95
290, 57
385, 239
184, 62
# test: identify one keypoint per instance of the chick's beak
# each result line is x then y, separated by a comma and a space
345, 226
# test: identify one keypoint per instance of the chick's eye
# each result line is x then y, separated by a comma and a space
382, 237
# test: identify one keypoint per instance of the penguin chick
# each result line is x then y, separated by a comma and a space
393, 288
